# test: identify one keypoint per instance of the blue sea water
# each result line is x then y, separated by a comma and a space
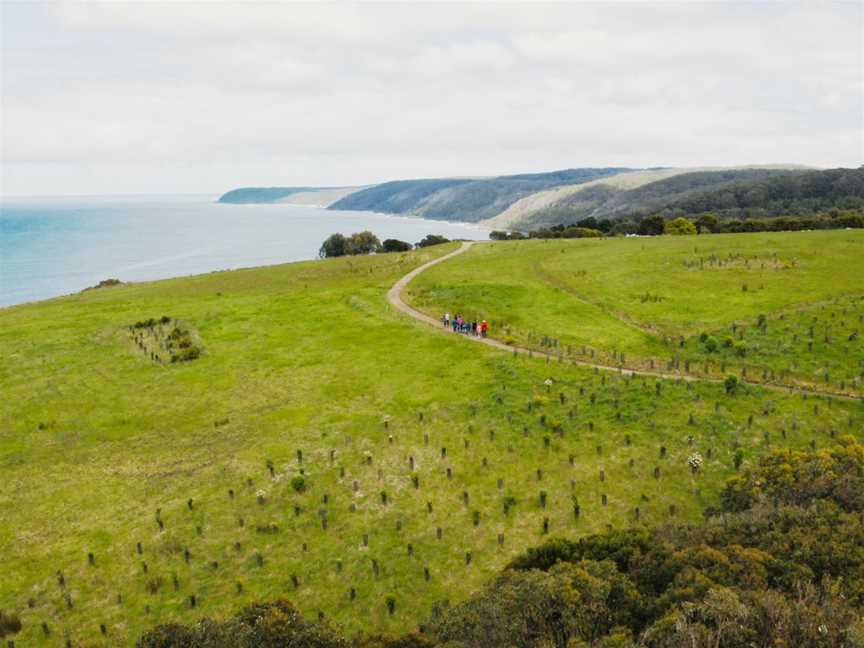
56, 246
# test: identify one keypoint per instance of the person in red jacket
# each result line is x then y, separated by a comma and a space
484, 326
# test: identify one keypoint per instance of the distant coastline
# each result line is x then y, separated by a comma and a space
53, 247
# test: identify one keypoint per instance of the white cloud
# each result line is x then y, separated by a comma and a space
152, 96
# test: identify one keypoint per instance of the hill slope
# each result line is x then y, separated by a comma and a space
323, 444
463, 199
780, 307
731, 193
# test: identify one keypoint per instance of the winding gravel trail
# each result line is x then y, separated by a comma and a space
394, 296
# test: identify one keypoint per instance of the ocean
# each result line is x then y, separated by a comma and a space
56, 246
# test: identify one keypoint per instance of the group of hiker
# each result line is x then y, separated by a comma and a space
460, 325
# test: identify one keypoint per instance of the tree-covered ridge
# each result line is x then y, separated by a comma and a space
256, 195
463, 199
784, 195
780, 563
743, 193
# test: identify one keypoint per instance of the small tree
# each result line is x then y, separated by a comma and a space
333, 246
298, 483
678, 227
707, 223
364, 242
738, 458
731, 384
652, 225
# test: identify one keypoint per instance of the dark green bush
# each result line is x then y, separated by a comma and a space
395, 245
432, 239
9, 624
298, 483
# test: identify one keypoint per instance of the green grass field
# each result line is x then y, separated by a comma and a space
645, 303
401, 432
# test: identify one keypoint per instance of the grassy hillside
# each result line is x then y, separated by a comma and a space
468, 200
781, 307
409, 441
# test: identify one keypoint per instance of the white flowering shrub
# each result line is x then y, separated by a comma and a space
695, 461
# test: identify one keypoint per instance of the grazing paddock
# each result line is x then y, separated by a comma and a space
330, 450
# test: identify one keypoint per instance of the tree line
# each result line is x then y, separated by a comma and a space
778, 562
365, 242
707, 223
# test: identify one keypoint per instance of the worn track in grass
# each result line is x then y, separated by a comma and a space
394, 296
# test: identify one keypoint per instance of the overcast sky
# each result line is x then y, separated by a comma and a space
202, 97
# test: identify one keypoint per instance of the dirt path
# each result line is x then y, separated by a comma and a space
394, 296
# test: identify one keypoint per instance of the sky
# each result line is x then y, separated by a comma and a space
181, 97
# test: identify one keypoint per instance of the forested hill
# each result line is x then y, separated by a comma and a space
743, 193
463, 199
779, 195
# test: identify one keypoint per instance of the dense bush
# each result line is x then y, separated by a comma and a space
557, 231
432, 239
105, 283
264, 625
679, 226
500, 235
797, 478
364, 242
395, 245
652, 225
337, 245
569, 231
333, 246
9, 624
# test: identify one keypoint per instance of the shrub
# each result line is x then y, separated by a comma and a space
678, 227
731, 384
262, 625
652, 225
707, 223
9, 624
408, 641
738, 458
186, 354
362, 243
432, 239
168, 635
581, 232
395, 245
298, 483
695, 462
333, 246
